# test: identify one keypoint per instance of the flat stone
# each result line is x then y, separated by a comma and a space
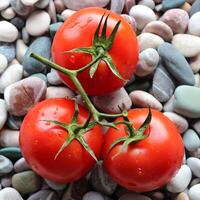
177, 19
8, 13
3, 111
176, 64
9, 138
8, 50
41, 46
194, 164
195, 7
21, 49
117, 6
184, 95
10, 194
20, 97
6, 165
13, 153
4, 4
21, 165
159, 28
168, 4
194, 192
188, 45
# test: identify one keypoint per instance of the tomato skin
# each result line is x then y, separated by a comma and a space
150, 163
40, 141
78, 31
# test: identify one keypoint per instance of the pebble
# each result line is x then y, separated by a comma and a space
55, 186
188, 45
197, 80
13, 153
38, 23
21, 165
149, 40
42, 4
26, 182
159, 28
130, 20
18, 22
9, 138
20, 97
25, 36
163, 85
59, 5
41, 46
11, 75
148, 3
148, 61
8, 50
112, 102
182, 196
6, 165
194, 181
41, 76
91, 195
194, 164
29, 2
195, 7
10, 194
168, 4
181, 180
54, 27
194, 192
134, 196
52, 11
8, 32
180, 122
67, 13
177, 19
4, 4
117, 6
184, 95
3, 63
13, 122
186, 6
3, 111
43, 194
196, 126
191, 140
144, 99
195, 63
143, 15
21, 49
6, 181
193, 26
8, 13
176, 64
128, 5
78, 4
53, 78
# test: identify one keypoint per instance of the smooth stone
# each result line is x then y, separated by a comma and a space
196, 126
176, 64
41, 46
54, 27
194, 192
6, 165
20, 97
169, 4
42, 4
38, 23
21, 49
8, 13
193, 26
12, 74
59, 5
148, 61
142, 15
181, 180
29, 2
148, 3
197, 80
188, 45
177, 19
144, 99
195, 63
26, 182
113, 102
184, 95
130, 20
149, 40
163, 85
4, 4
91, 195
6, 182
53, 78
20, 8
143, 85
157, 195
13, 153
159, 28
191, 140
134, 196
8, 32
9, 138
194, 164
78, 4
128, 5
186, 6
43, 195
3, 111
41, 76
3, 63
59, 92
10, 194
52, 11
66, 14
55, 185
25, 36
194, 181
117, 6
8, 50
13, 122
195, 7
182, 196
18, 22
100, 180
21, 165
180, 122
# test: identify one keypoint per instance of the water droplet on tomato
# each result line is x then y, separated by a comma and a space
139, 171
72, 59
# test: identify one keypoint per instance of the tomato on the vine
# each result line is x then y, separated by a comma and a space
147, 164
78, 31
41, 140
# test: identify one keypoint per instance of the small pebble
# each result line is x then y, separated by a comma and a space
67, 13
3, 111
194, 192
195, 7
4, 4
193, 26
194, 181
148, 3
9, 138
29, 2
54, 27
21, 165
3, 63
59, 5
6, 181
143, 15
18, 22
21, 49
8, 13
186, 6
194, 164
117, 6
8, 50
25, 36
93, 195
13, 122
128, 5
13, 153
53, 78
42, 4
55, 186
43, 195
41, 76
196, 126
6, 165
130, 20
182, 196
10, 194
197, 80
195, 63
168, 4
134, 196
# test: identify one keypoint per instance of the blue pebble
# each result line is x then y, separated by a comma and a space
170, 4
195, 7
8, 50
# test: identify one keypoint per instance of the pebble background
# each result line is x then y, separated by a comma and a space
167, 79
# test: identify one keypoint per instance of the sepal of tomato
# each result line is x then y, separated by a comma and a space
41, 140
150, 163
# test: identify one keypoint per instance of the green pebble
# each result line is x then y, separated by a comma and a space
54, 27
187, 101
13, 153
170, 4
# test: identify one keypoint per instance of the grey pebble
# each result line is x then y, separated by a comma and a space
18, 22
117, 6
6, 165
134, 196
8, 50
25, 36
6, 181
41, 76
14, 122
13, 153
194, 164
195, 7
3, 111
43, 195
9, 138
10, 194
42, 4
53, 78
54, 27
21, 165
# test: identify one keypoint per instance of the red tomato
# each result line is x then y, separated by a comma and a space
40, 141
150, 163
78, 31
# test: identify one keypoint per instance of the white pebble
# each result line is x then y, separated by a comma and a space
3, 115
4, 4
8, 32
3, 63
67, 13
194, 192
38, 23
92, 195
193, 26
181, 180
21, 49
10, 194
53, 78
148, 3
29, 2
8, 13
194, 164
9, 138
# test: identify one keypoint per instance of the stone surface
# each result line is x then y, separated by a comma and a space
53, 78
195, 63
195, 7
59, 5
29, 2
18, 22
42, 4
3, 111
194, 192
196, 126
182, 196
8, 13
4, 4
117, 6
54, 27
130, 20
168, 4
14, 122
194, 164
13, 153
148, 3
8, 50
3, 63
21, 96
55, 186
67, 13
131, 196
6, 181
10, 194
6, 165
21, 165
193, 26
9, 138
43, 194
91, 195
21, 49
